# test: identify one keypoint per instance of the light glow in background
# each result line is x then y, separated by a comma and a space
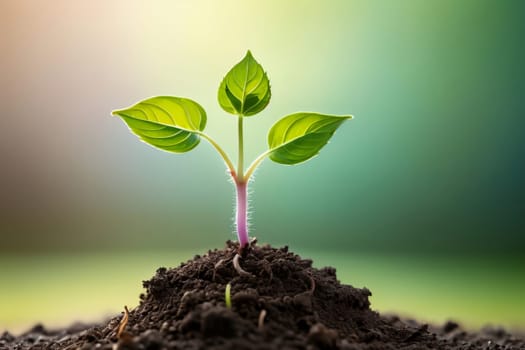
432, 166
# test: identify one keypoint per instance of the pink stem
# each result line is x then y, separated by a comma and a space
242, 213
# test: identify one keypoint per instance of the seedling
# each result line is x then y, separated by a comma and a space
123, 323
176, 124
227, 296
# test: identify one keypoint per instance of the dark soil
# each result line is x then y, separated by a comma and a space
279, 302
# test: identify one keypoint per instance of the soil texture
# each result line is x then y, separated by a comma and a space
278, 301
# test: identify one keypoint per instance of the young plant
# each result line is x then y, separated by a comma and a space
228, 296
176, 124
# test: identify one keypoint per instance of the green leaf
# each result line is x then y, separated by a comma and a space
245, 90
300, 136
170, 123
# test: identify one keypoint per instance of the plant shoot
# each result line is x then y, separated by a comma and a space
176, 124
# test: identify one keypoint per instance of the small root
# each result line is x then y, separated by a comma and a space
312, 284
238, 267
262, 316
123, 323
217, 265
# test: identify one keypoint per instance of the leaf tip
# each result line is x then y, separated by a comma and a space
116, 112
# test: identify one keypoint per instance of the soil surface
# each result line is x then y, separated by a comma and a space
278, 301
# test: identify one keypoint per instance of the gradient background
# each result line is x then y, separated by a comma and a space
421, 197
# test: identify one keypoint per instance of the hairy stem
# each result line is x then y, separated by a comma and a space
240, 180
241, 216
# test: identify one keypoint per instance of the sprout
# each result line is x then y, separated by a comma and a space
176, 124
227, 296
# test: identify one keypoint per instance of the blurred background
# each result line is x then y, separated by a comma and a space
420, 198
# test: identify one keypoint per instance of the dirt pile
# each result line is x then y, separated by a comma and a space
278, 301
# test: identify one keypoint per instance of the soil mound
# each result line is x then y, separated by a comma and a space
278, 301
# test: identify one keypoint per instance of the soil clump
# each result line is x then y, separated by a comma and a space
278, 301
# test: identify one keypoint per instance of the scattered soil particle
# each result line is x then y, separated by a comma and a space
281, 302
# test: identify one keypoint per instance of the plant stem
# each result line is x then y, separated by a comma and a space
241, 216
241, 186
241, 181
240, 163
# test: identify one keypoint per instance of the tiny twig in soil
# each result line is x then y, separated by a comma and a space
312, 284
262, 316
217, 265
123, 323
238, 267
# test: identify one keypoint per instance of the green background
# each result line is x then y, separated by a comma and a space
421, 197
